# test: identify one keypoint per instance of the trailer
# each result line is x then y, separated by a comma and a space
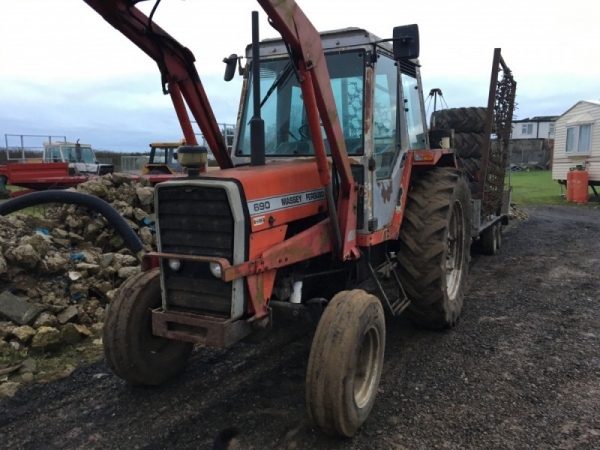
40, 176
480, 137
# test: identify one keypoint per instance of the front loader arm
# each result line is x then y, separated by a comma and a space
305, 43
176, 63
307, 52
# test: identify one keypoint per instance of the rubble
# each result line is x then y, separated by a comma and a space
518, 214
46, 338
16, 309
60, 269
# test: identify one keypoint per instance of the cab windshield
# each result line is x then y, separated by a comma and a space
84, 155
286, 124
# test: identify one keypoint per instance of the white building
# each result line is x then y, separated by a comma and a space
539, 127
577, 141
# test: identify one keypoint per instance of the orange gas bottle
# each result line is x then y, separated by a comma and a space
570, 185
580, 188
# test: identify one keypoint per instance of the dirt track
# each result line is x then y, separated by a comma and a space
521, 370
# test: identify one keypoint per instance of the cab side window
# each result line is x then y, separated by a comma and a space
385, 134
412, 106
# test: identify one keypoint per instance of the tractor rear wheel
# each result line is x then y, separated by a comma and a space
345, 364
434, 247
131, 350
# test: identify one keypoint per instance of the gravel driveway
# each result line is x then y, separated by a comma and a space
521, 370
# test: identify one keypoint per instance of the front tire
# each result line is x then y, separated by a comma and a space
434, 247
131, 350
345, 364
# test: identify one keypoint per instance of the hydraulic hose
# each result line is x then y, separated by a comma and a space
113, 217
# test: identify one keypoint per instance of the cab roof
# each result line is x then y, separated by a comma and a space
332, 39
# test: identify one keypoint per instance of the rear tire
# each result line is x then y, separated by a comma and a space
131, 350
345, 364
434, 247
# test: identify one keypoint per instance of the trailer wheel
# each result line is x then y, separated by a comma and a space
345, 364
434, 247
489, 240
131, 350
499, 234
461, 120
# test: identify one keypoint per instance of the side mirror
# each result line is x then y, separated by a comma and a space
230, 63
175, 156
406, 42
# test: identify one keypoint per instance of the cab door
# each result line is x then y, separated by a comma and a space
397, 127
386, 142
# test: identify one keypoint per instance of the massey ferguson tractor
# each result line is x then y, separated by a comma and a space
333, 181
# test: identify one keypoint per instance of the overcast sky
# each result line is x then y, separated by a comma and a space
64, 71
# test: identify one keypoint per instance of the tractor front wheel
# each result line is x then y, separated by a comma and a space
345, 364
131, 350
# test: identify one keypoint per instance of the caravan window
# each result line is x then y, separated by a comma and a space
579, 139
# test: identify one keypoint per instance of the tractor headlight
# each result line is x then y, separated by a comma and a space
215, 269
174, 265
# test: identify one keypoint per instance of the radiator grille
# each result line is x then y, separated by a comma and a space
196, 220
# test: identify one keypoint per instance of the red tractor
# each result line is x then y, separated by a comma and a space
331, 182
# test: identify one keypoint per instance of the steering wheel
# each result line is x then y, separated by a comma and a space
304, 131
292, 135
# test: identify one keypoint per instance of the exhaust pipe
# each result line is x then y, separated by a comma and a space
257, 125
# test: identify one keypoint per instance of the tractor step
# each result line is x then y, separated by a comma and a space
397, 303
386, 268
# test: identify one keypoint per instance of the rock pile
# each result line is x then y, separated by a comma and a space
60, 265
515, 213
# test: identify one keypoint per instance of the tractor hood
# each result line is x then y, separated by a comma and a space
279, 192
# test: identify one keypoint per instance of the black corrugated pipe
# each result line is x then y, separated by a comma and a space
257, 125
113, 217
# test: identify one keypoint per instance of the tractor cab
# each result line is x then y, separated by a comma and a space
163, 158
380, 106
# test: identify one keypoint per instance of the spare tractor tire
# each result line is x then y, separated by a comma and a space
471, 167
468, 145
435, 240
461, 120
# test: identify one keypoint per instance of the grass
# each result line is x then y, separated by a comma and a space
538, 188
39, 210
535, 188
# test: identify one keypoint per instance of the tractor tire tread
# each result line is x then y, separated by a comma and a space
423, 246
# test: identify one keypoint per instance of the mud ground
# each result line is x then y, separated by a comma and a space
521, 370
